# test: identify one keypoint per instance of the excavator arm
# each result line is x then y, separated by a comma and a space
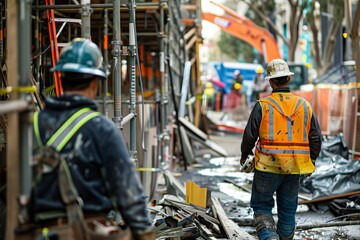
245, 29
254, 35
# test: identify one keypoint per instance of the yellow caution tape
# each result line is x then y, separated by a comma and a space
149, 169
7, 90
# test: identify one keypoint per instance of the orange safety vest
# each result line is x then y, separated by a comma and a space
283, 145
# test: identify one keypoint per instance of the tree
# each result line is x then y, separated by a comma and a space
323, 60
235, 48
355, 41
296, 13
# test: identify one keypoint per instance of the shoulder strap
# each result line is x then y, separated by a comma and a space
67, 130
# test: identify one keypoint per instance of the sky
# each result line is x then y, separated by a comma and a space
209, 29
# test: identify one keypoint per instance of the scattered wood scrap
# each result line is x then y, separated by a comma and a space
233, 231
177, 219
327, 198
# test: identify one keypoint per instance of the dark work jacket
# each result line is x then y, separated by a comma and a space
251, 133
99, 163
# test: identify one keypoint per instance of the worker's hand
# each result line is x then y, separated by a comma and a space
243, 159
307, 175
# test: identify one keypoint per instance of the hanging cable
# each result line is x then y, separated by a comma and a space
176, 113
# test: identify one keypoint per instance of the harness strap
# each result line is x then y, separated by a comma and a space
73, 202
67, 130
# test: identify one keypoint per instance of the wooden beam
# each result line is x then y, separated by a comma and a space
232, 230
191, 43
190, 33
321, 199
12, 136
188, 7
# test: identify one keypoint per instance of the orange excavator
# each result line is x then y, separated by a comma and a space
245, 29
258, 37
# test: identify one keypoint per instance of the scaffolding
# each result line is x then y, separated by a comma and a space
146, 47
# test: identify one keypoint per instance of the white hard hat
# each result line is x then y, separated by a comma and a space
277, 68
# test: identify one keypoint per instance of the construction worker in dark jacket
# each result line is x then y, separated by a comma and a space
96, 155
288, 141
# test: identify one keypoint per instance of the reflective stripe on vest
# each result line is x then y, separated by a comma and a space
282, 151
67, 130
288, 118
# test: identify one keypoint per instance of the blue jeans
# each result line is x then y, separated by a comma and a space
286, 187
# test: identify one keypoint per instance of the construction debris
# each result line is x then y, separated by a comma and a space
176, 218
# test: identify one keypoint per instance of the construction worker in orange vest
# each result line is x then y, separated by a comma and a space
288, 141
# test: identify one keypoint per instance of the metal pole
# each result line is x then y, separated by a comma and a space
116, 42
106, 61
348, 21
145, 5
13, 106
1, 32
85, 11
164, 87
26, 131
37, 46
132, 76
163, 112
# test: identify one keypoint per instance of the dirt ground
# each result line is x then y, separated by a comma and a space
216, 173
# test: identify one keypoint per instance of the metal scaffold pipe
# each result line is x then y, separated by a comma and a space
132, 76
164, 86
13, 106
145, 5
85, 11
26, 130
37, 37
116, 42
106, 61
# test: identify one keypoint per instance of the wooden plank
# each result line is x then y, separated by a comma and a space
210, 144
180, 189
237, 185
204, 231
232, 230
321, 199
191, 127
186, 146
13, 139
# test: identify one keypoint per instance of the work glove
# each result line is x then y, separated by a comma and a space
313, 161
242, 159
247, 163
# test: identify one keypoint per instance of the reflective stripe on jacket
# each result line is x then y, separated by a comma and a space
283, 145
